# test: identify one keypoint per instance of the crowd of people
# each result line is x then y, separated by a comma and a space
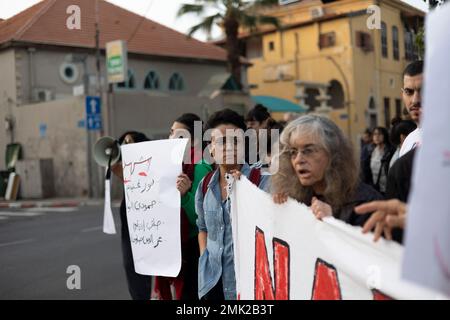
315, 164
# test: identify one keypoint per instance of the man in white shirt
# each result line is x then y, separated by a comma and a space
411, 94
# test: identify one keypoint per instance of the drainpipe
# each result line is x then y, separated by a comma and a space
31, 87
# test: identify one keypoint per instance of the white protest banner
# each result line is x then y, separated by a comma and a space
427, 245
284, 252
150, 170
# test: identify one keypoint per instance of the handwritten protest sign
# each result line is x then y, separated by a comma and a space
427, 245
150, 170
284, 252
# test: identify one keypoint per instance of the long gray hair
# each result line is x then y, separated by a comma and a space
341, 175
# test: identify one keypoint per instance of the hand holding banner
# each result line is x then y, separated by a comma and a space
284, 252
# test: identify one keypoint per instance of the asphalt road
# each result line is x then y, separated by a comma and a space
37, 246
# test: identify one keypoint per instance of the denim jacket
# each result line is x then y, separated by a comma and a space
214, 218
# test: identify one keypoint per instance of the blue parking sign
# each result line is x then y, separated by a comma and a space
93, 113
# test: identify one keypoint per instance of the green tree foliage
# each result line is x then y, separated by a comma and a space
231, 15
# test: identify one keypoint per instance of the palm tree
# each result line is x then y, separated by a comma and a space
231, 15
434, 3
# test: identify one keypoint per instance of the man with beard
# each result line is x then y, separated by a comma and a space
399, 178
411, 94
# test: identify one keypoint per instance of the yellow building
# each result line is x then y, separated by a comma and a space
332, 57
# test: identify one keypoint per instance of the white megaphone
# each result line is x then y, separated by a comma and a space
106, 150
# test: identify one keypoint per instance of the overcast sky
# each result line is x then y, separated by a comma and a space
162, 11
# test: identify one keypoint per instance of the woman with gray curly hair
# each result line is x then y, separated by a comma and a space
316, 165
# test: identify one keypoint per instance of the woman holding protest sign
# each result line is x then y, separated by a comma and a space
139, 285
194, 169
317, 166
216, 275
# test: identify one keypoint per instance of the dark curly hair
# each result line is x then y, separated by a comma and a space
225, 116
188, 119
258, 113
404, 127
414, 68
137, 136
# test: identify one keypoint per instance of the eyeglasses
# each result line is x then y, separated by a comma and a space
307, 153
410, 92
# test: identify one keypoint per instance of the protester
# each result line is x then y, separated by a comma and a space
216, 275
258, 118
377, 165
366, 138
271, 141
399, 178
317, 166
400, 174
400, 130
139, 286
273, 132
367, 147
194, 169
411, 94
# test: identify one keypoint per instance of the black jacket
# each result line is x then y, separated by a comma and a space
364, 193
399, 178
399, 184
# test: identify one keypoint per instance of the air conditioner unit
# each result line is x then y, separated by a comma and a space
42, 95
316, 12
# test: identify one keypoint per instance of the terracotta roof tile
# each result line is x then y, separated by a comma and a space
45, 23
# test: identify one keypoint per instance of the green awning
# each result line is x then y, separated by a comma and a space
275, 104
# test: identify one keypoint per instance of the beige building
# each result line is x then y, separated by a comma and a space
327, 59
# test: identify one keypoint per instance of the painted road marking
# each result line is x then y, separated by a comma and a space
92, 229
6, 244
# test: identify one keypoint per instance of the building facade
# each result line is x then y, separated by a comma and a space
331, 57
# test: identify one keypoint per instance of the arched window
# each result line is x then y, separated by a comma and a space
336, 93
409, 45
130, 83
384, 42
395, 43
151, 81
176, 83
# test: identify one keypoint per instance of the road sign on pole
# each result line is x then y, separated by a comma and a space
93, 113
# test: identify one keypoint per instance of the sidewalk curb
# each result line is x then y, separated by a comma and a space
52, 204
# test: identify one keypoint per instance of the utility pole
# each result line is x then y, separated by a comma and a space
97, 48
96, 171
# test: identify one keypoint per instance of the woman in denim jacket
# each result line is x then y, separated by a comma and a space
216, 276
